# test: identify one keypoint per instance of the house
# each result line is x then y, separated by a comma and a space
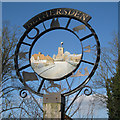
41, 58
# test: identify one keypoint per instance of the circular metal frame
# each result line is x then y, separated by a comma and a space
47, 17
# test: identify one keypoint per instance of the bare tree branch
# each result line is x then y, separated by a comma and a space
15, 108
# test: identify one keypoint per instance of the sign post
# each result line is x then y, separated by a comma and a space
53, 106
50, 71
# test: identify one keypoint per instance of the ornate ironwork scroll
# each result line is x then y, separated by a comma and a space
23, 93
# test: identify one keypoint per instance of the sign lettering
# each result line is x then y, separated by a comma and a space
59, 12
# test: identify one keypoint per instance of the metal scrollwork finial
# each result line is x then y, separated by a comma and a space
88, 90
23, 94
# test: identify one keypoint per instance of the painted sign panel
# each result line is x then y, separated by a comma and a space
57, 66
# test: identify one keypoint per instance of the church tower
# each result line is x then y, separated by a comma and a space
60, 54
61, 50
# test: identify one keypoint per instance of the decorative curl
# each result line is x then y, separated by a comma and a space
88, 90
23, 94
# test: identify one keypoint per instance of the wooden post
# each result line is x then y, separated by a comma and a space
53, 106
